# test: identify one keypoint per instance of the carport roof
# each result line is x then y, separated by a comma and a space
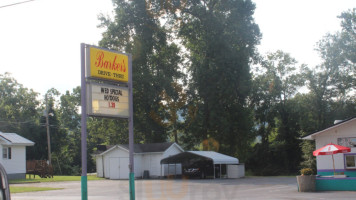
217, 158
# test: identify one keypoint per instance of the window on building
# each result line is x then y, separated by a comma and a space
9, 153
347, 142
350, 161
6, 153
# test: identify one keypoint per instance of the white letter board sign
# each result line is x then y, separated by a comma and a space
107, 100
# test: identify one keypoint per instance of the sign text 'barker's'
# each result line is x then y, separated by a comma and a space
108, 65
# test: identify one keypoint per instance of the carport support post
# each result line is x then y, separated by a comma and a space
214, 169
131, 134
220, 171
84, 180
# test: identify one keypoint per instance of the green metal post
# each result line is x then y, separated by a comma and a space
84, 181
132, 186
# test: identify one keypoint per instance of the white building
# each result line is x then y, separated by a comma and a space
13, 148
342, 133
114, 162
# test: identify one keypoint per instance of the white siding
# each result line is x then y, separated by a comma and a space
155, 166
17, 163
99, 166
119, 167
151, 162
138, 165
235, 171
123, 156
142, 162
117, 152
325, 161
171, 151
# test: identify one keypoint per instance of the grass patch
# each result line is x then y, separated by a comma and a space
15, 189
54, 179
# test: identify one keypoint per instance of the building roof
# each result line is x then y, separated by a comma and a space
217, 158
149, 148
145, 148
337, 123
14, 139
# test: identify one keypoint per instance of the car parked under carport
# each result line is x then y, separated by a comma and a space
207, 164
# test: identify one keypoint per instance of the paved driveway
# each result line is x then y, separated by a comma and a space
218, 189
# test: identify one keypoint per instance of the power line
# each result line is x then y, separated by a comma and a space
11, 122
15, 3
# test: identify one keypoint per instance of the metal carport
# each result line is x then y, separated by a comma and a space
190, 157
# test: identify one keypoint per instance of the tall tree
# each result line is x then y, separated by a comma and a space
19, 111
220, 37
334, 79
339, 54
276, 119
18, 106
155, 62
332, 83
320, 82
68, 160
172, 105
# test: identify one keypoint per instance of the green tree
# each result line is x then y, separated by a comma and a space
108, 131
171, 106
220, 37
68, 159
321, 86
276, 119
339, 55
155, 62
19, 111
332, 82
18, 106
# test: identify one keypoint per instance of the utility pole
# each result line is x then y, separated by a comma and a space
48, 135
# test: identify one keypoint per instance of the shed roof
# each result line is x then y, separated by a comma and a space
217, 158
149, 148
15, 139
337, 124
145, 148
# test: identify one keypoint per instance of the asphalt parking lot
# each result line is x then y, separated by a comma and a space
218, 189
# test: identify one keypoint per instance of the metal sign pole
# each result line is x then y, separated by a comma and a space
118, 73
131, 135
84, 180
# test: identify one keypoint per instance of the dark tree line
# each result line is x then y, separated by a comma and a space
199, 81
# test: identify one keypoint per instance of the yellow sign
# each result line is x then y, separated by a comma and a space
108, 65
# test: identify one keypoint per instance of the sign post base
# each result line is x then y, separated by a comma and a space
84, 182
132, 186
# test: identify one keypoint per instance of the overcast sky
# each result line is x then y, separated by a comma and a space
40, 40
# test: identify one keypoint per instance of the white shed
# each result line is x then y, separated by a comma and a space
13, 147
114, 162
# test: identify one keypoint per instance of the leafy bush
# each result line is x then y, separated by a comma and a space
306, 171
